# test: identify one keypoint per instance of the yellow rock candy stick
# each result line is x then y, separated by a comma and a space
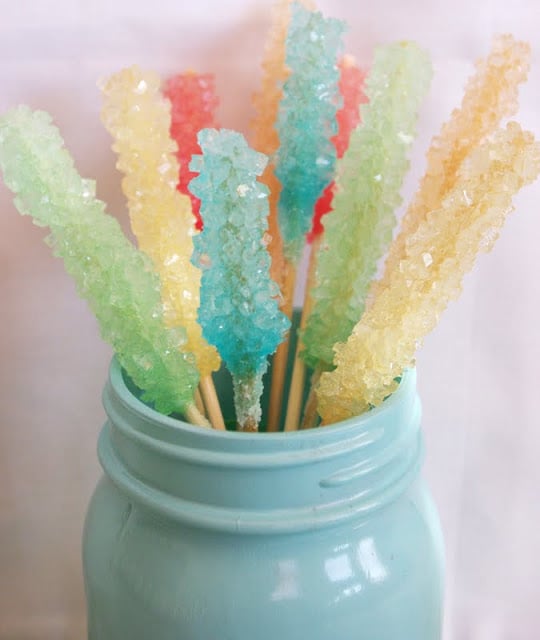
138, 118
491, 94
437, 255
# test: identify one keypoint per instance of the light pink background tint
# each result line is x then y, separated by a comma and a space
478, 373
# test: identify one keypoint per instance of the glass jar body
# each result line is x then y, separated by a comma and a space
199, 536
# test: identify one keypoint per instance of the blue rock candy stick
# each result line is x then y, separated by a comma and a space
239, 311
110, 273
306, 122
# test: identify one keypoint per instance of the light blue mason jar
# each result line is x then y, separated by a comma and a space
326, 534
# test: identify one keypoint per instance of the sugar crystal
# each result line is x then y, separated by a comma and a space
239, 311
368, 180
384, 342
161, 217
490, 95
114, 277
193, 105
306, 122
351, 82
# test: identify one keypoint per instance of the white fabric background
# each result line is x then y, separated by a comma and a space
478, 372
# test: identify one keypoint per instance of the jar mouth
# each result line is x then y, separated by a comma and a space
289, 480
171, 426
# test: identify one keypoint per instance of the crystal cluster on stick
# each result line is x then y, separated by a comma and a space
306, 122
437, 255
351, 83
114, 277
265, 137
348, 117
193, 104
490, 95
138, 117
239, 311
368, 178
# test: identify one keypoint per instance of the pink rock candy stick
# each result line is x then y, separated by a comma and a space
193, 104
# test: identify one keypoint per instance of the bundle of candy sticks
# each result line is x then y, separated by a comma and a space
221, 226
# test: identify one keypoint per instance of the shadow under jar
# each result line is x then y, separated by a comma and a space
325, 534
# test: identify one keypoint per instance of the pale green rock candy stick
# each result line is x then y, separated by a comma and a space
111, 274
369, 177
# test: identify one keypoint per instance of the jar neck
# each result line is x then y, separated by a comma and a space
255, 482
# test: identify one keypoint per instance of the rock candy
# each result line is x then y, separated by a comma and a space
306, 122
138, 118
114, 277
490, 95
369, 177
193, 104
265, 137
351, 82
239, 311
437, 255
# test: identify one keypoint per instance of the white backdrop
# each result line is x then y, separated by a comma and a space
478, 372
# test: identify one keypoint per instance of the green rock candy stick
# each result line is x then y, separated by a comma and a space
369, 177
113, 276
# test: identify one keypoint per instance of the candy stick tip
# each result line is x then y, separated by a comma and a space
249, 426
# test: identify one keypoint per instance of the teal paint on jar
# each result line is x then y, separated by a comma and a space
326, 534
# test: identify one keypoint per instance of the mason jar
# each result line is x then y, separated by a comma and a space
322, 534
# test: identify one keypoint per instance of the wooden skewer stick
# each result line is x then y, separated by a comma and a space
195, 416
199, 401
279, 363
294, 403
310, 412
211, 402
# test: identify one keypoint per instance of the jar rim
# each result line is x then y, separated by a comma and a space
199, 475
406, 386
